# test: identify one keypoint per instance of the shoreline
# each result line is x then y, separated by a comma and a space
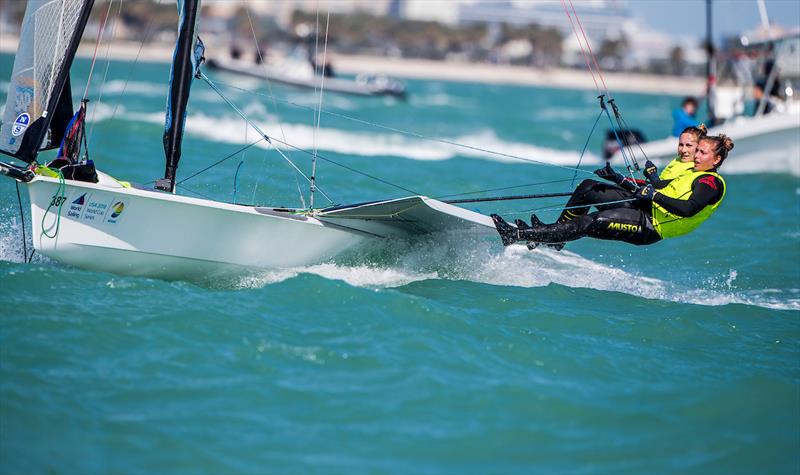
406, 68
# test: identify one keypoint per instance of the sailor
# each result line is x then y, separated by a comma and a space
642, 217
684, 116
687, 146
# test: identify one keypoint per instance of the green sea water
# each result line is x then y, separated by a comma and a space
443, 355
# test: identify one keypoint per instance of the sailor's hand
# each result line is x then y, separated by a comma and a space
650, 170
646, 193
608, 173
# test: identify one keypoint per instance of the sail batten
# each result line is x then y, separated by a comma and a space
185, 61
39, 102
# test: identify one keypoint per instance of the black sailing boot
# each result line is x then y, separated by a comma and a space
508, 233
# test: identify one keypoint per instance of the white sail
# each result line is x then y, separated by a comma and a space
48, 37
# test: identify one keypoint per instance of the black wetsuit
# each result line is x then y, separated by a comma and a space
620, 216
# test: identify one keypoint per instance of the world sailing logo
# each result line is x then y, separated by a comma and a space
20, 124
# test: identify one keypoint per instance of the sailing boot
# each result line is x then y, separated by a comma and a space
535, 222
508, 233
566, 215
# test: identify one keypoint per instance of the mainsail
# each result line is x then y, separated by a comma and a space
185, 61
39, 103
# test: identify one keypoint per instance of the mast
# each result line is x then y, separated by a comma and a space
185, 61
711, 66
39, 104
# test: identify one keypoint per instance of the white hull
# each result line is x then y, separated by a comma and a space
172, 237
130, 231
766, 144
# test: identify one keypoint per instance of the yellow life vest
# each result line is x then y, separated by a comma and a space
674, 168
671, 225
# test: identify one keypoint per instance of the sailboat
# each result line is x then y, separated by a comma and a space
85, 217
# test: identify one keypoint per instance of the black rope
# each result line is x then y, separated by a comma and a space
508, 198
502, 188
22, 218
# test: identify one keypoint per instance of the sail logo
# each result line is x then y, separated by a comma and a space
81, 200
20, 124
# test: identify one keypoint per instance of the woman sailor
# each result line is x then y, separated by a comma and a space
642, 217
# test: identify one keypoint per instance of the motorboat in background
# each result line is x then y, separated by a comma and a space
300, 70
766, 141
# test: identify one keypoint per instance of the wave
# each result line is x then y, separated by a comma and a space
391, 264
484, 144
401, 263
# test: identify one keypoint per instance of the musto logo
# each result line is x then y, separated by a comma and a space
117, 209
631, 228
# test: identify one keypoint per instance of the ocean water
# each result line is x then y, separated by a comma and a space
444, 355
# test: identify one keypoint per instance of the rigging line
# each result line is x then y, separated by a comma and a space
96, 46
218, 161
619, 142
588, 45
146, 36
201, 195
558, 208
627, 136
22, 220
404, 132
583, 51
263, 65
346, 167
105, 73
509, 198
501, 189
575, 175
257, 129
319, 109
638, 144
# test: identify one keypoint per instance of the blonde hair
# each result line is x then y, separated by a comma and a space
698, 132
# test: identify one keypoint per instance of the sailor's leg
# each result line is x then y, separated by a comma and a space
623, 224
558, 232
593, 193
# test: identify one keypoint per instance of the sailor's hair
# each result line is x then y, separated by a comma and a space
722, 145
699, 132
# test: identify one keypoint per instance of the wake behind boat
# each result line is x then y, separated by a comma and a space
299, 73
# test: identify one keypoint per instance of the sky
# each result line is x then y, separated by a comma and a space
686, 18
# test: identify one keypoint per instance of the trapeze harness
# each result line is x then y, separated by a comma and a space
677, 209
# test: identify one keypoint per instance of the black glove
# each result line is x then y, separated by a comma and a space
646, 193
650, 171
608, 173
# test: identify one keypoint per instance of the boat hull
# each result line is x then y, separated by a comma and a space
139, 232
766, 144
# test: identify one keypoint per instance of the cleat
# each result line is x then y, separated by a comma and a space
535, 221
508, 233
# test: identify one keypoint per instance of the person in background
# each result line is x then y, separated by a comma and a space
684, 116
770, 102
642, 217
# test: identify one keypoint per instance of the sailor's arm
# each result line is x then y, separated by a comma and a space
706, 190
